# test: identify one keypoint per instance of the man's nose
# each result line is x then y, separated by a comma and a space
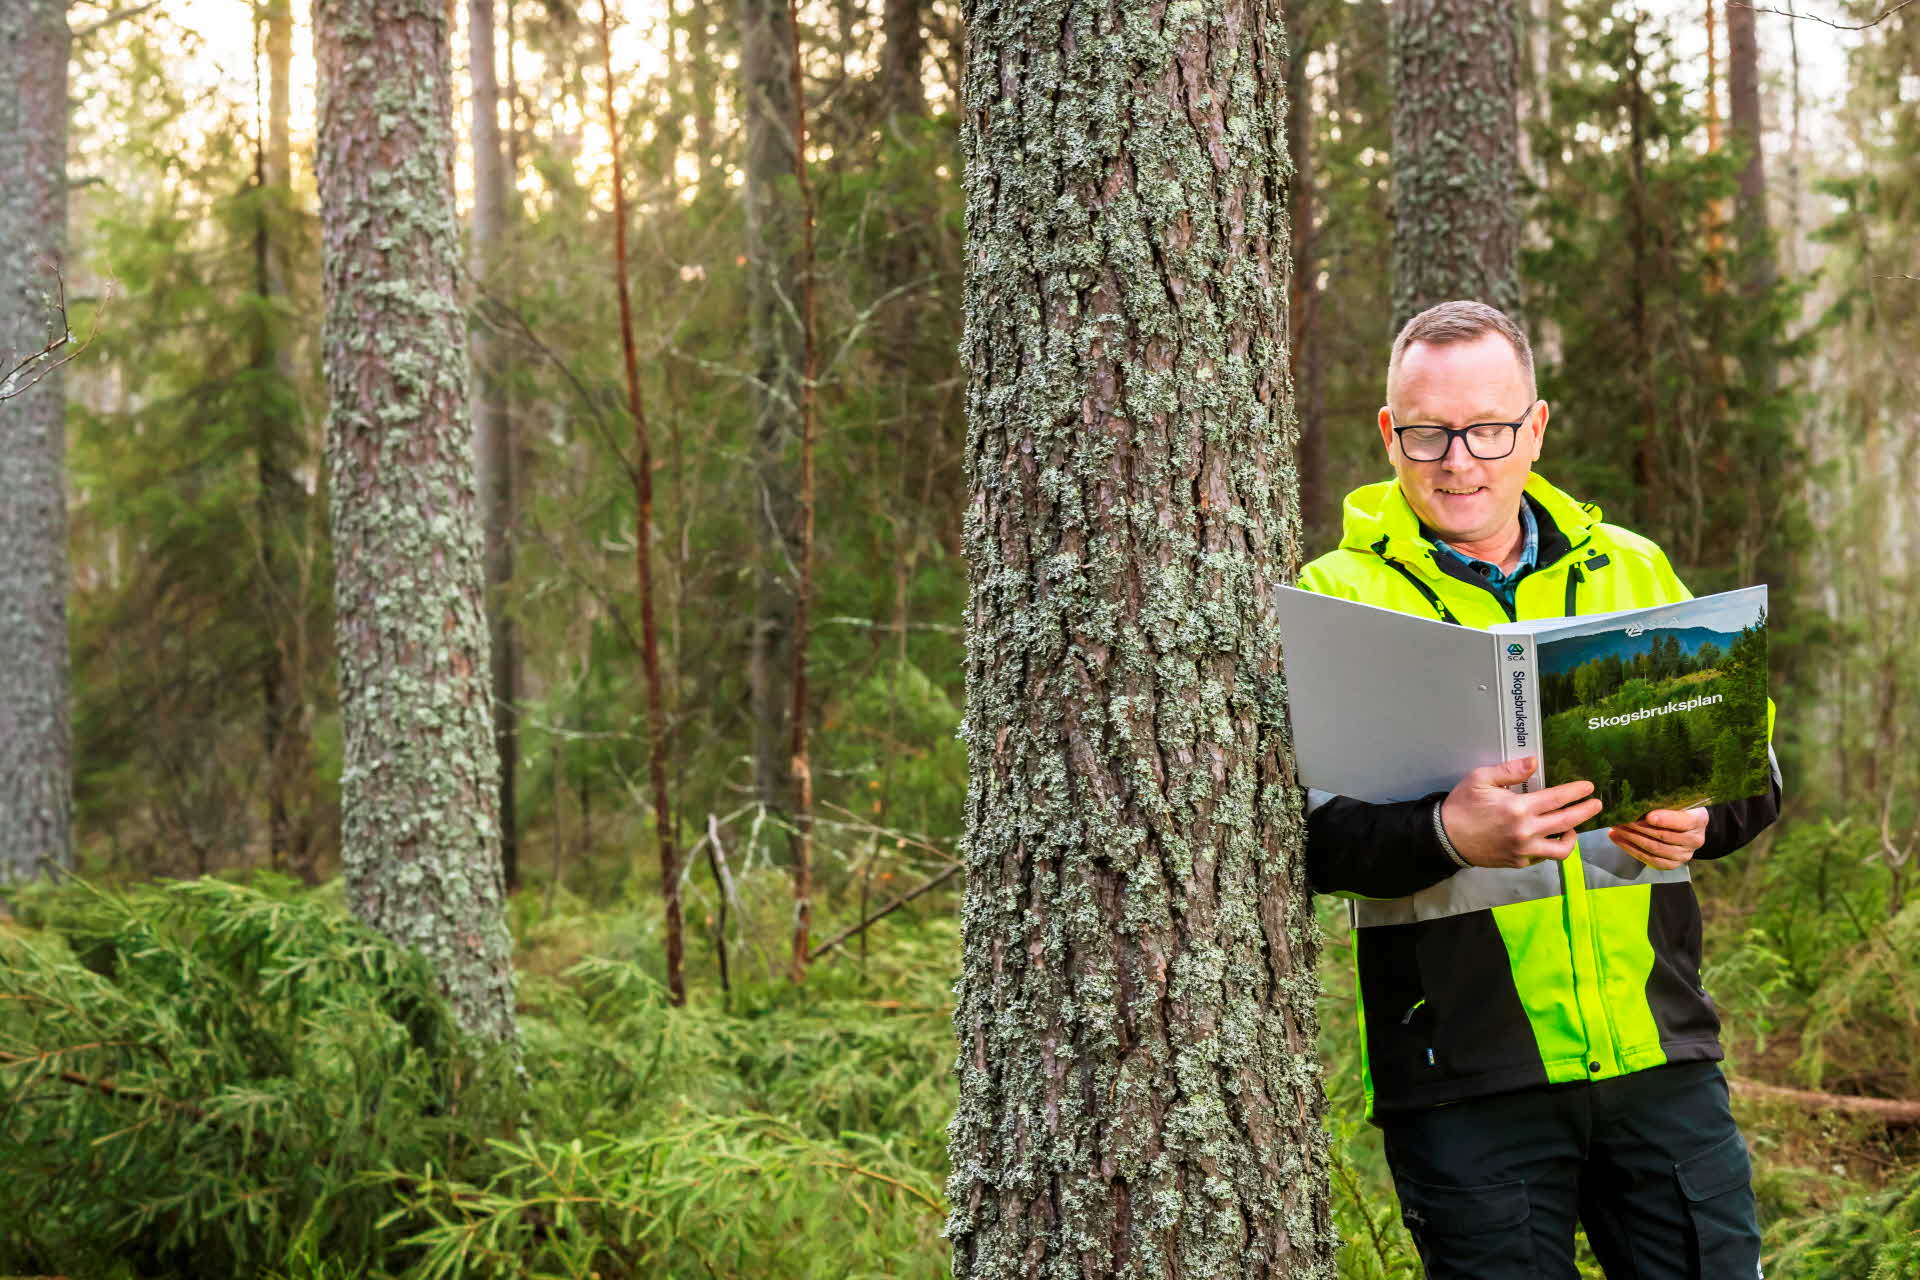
1457, 444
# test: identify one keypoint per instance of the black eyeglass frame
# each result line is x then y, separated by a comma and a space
1513, 437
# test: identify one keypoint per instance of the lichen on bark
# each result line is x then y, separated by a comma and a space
420, 835
35, 730
1456, 157
1139, 1090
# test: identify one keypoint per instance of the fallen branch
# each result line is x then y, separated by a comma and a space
883, 912
1837, 26
1893, 1111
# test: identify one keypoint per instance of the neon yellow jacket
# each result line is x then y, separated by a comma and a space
1487, 980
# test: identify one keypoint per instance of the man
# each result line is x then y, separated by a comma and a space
1535, 1041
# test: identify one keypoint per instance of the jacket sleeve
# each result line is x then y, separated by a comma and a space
1373, 850
1733, 825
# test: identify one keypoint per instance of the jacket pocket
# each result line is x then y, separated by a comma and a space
1469, 1233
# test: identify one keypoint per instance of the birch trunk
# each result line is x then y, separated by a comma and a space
420, 835
1139, 1092
1456, 159
35, 728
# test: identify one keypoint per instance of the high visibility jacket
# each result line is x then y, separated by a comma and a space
1485, 980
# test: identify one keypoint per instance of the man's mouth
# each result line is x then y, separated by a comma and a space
1459, 493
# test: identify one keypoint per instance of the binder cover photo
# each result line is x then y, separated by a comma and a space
1661, 712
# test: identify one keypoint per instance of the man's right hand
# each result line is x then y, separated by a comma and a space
1494, 827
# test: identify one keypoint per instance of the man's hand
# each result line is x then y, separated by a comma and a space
1494, 827
1665, 838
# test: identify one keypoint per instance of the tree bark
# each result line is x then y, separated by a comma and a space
773, 261
281, 501
1304, 349
420, 835
1751, 238
36, 767
902, 90
1139, 1091
1456, 165
493, 425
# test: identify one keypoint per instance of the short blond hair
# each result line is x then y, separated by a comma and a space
1462, 320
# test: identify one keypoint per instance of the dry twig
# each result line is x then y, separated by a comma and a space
1883, 15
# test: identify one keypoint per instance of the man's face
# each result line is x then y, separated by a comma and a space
1462, 498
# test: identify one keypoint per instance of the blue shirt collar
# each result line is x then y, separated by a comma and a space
1503, 584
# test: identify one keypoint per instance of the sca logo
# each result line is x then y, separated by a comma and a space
1516, 651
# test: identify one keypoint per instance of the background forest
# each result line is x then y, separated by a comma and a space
720, 418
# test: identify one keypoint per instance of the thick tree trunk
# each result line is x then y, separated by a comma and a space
1140, 1093
1456, 165
420, 835
774, 226
35, 735
492, 425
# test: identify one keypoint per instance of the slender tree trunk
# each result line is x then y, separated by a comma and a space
803, 594
901, 87
1139, 1089
703, 67
493, 426
281, 501
1456, 165
1303, 349
420, 780
657, 729
1751, 238
36, 766
774, 224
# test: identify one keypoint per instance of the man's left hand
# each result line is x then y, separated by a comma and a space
1665, 838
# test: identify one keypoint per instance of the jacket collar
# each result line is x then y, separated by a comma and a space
1378, 519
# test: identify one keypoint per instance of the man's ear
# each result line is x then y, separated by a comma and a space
1386, 429
1540, 430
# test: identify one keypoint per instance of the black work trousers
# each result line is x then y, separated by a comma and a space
1650, 1163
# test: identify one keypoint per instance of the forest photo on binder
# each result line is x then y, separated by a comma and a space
1659, 708
1666, 712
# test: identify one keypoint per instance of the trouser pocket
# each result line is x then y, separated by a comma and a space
1717, 1185
1469, 1233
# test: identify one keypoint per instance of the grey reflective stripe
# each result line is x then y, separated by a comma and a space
1484, 888
1773, 762
1608, 866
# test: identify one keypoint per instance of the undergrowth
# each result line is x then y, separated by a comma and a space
204, 1078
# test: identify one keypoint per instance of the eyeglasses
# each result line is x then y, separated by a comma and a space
1487, 441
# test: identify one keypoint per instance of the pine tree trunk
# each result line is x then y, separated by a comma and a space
1751, 239
1456, 165
1304, 354
1140, 1093
35, 735
773, 256
281, 501
901, 88
420, 836
492, 425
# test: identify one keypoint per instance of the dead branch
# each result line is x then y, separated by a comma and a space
1837, 26
1891, 1111
37, 363
883, 913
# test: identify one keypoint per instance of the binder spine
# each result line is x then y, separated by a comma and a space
1517, 689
